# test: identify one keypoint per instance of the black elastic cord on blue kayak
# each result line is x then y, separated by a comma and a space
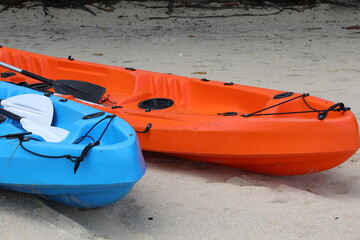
93, 144
76, 159
87, 133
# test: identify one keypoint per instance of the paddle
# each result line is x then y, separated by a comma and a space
34, 107
48, 133
79, 89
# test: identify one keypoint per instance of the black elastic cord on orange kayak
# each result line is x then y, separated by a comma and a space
322, 114
261, 110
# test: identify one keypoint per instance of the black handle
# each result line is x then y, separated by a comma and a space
336, 107
10, 115
146, 129
37, 77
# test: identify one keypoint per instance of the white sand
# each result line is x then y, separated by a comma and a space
302, 52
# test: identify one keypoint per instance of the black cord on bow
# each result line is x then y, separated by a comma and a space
322, 114
76, 159
84, 152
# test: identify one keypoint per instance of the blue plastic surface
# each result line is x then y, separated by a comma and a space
107, 174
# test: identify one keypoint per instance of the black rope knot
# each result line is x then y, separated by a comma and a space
71, 158
84, 152
106, 99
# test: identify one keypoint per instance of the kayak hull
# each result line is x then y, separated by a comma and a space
281, 165
205, 120
81, 196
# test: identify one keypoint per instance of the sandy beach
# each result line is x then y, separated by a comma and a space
310, 51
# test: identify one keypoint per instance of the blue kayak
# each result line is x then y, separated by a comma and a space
96, 164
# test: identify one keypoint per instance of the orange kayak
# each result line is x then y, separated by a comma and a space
255, 129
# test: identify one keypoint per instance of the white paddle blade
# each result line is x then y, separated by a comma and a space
48, 133
34, 107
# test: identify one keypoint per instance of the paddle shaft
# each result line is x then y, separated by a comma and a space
26, 73
79, 89
10, 115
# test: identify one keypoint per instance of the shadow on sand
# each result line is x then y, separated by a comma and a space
330, 184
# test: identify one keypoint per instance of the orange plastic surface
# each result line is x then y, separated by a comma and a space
192, 128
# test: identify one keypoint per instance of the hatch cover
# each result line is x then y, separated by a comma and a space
156, 103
